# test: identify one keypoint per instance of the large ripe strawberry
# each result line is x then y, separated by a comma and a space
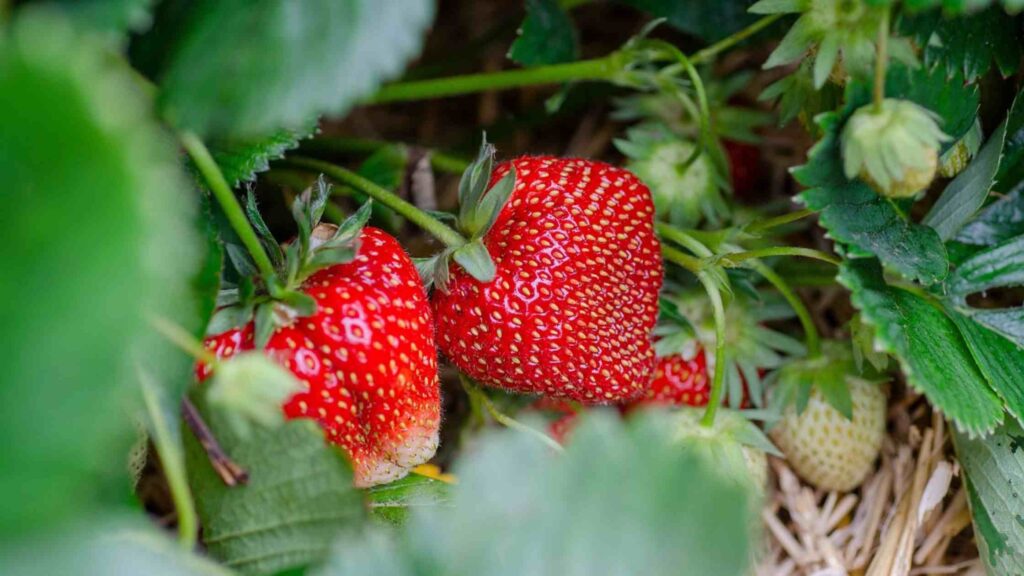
574, 295
365, 355
833, 420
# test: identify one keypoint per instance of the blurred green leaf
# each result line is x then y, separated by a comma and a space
709, 21
643, 506
998, 222
111, 546
999, 266
547, 35
967, 45
298, 497
243, 69
99, 227
393, 502
994, 468
112, 18
934, 357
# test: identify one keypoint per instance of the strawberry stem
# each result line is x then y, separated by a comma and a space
478, 395
432, 225
881, 59
231, 473
220, 189
676, 235
734, 258
780, 220
717, 380
811, 338
184, 340
604, 68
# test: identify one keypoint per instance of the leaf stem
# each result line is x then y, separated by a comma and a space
475, 393
435, 227
220, 189
682, 238
183, 340
230, 473
604, 68
172, 461
682, 259
811, 337
734, 258
881, 59
718, 378
776, 221
440, 161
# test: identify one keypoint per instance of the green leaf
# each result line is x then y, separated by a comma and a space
954, 101
999, 266
394, 502
934, 357
547, 35
998, 222
855, 215
299, 496
642, 507
968, 191
98, 224
994, 468
114, 19
475, 260
108, 545
242, 160
243, 69
250, 388
1001, 361
1011, 167
967, 45
709, 21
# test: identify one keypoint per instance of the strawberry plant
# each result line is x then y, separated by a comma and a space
407, 287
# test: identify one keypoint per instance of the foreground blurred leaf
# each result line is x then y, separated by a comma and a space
112, 18
998, 222
644, 506
242, 160
994, 468
393, 502
299, 495
547, 35
108, 546
98, 230
934, 357
242, 68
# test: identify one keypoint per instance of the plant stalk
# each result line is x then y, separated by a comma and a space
881, 59
718, 378
811, 338
477, 395
734, 258
220, 189
680, 237
435, 227
776, 221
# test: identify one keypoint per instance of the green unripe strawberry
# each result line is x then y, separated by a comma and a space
833, 433
893, 147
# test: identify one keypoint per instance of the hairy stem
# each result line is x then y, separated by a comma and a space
811, 338
680, 237
776, 221
735, 258
681, 258
435, 227
728, 42
717, 380
228, 202
478, 395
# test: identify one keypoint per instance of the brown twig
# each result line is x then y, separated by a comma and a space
232, 474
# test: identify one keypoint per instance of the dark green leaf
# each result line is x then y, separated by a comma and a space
99, 234
1011, 167
968, 191
798, 97
934, 357
298, 497
967, 45
1001, 265
242, 160
393, 502
1001, 361
264, 324
547, 35
475, 260
114, 19
993, 468
206, 283
243, 69
855, 215
642, 507
709, 21
998, 222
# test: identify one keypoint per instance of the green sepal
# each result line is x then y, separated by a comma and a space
246, 289
483, 215
827, 373
240, 259
434, 270
250, 389
293, 261
446, 217
229, 318
300, 303
350, 229
262, 230
264, 325
476, 260
474, 180
330, 256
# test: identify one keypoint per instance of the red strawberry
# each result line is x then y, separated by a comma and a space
570, 310
366, 358
680, 380
744, 166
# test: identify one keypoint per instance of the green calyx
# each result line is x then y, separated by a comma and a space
829, 373
278, 301
893, 146
684, 184
479, 207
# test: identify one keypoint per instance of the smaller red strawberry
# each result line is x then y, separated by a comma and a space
566, 415
744, 167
